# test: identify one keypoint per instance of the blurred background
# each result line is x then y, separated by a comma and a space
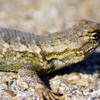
41, 16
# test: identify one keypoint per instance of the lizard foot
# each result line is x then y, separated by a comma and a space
46, 94
31, 78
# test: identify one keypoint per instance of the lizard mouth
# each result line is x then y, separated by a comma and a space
89, 48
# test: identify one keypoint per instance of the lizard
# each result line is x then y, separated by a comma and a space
33, 55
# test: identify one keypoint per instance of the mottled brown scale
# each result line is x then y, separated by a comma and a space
47, 53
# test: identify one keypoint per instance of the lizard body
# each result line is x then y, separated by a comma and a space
47, 53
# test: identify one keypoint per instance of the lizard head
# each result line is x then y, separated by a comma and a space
70, 46
89, 33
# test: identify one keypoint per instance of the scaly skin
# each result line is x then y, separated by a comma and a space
45, 54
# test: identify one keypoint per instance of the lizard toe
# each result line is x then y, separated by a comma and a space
46, 94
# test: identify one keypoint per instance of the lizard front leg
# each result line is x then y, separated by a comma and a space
30, 77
